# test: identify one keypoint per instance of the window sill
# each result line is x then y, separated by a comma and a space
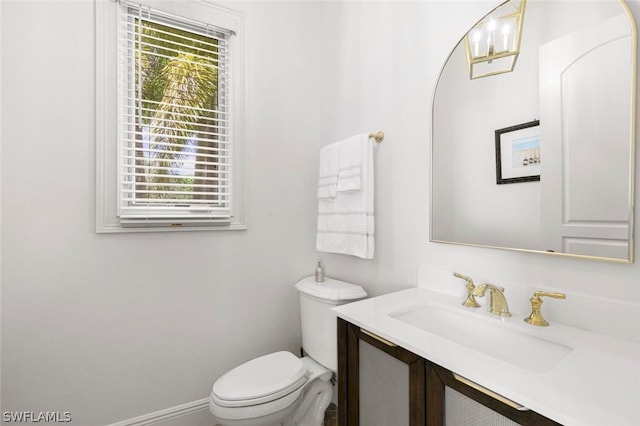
116, 228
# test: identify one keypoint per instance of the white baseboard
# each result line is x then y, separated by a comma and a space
194, 413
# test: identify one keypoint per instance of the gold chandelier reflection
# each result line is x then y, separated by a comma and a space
493, 44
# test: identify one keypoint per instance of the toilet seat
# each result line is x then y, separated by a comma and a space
261, 380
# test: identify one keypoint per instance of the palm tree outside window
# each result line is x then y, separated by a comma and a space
175, 142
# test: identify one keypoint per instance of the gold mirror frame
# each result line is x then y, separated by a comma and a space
632, 154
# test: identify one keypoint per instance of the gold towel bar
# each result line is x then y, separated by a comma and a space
378, 136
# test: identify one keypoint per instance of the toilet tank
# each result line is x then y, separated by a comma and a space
319, 324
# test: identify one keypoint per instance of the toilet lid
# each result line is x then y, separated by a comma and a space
265, 378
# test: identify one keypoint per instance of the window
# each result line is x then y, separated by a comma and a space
171, 148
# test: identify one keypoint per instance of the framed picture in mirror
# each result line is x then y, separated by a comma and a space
518, 153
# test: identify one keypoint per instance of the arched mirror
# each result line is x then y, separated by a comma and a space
539, 158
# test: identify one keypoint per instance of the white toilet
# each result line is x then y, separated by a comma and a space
280, 388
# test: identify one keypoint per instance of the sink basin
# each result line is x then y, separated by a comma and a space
490, 336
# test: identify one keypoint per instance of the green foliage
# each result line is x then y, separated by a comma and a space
177, 76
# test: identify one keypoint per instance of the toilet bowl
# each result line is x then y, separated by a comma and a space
271, 389
280, 389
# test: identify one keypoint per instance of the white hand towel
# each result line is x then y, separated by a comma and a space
328, 171
350, 158
346, 222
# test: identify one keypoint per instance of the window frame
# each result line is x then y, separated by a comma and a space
106, 113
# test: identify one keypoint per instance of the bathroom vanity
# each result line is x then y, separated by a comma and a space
423, 401
418, 357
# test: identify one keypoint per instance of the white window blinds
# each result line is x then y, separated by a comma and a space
175, 143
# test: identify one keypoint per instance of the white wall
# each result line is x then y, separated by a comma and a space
110, 327
388, 70
0, 208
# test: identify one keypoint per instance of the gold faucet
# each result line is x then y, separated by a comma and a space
471, 301
535, 318
497, 302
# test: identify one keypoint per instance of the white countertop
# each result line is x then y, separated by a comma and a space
597, 383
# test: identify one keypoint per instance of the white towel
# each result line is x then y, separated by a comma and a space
328, 171
350, 157
346, 222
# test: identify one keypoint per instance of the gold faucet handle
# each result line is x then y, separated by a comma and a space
470, 302
548, 294
535, 318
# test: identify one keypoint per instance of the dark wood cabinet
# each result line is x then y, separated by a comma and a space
431, 394
350, 345
445, 390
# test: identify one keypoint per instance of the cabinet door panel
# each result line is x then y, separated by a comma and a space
384, 384
461, 410
379, 383
462, 404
